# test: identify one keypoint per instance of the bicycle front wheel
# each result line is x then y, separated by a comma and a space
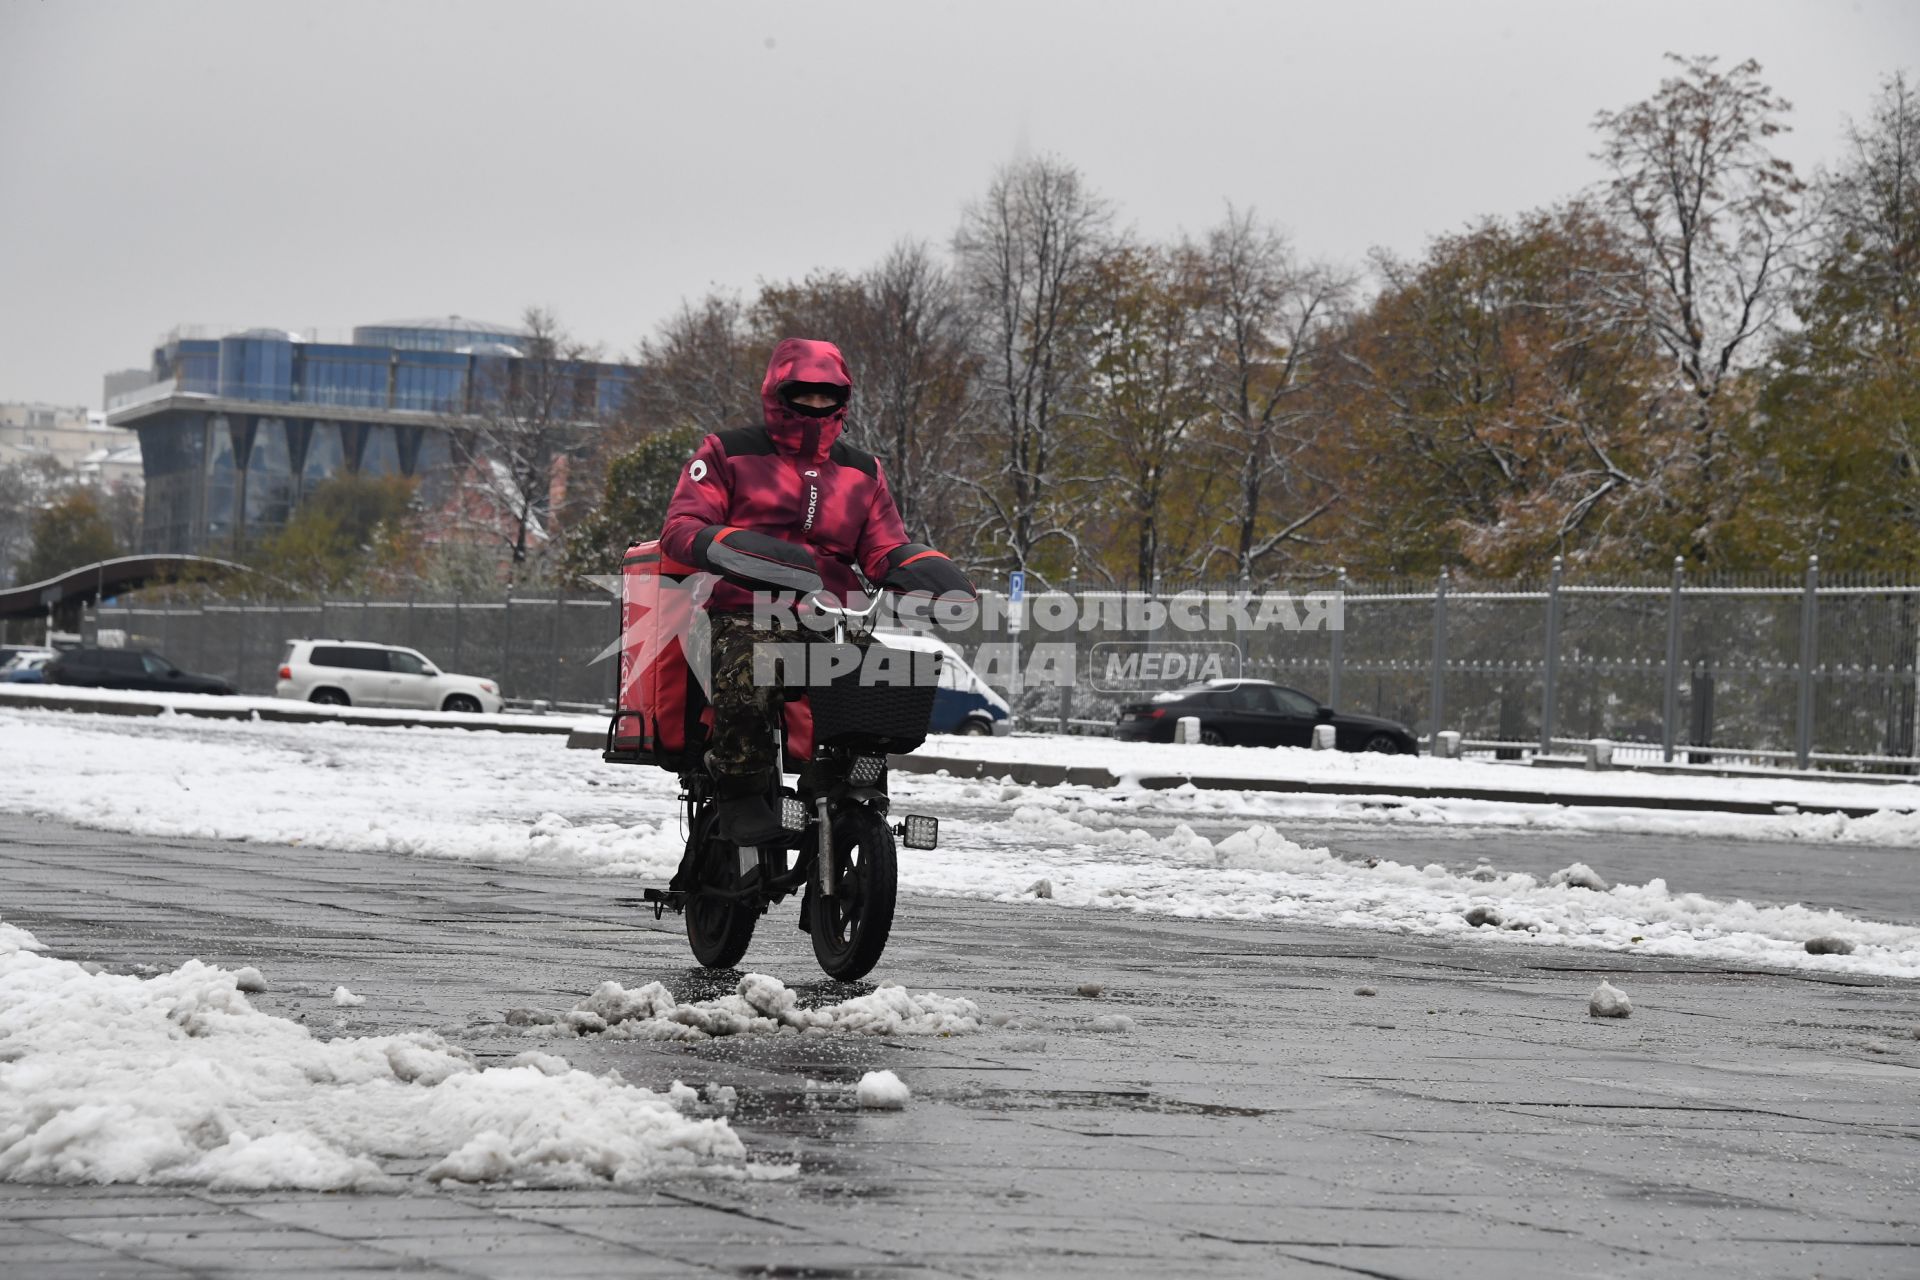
850, 929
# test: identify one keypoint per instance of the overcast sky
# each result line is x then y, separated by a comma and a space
337, 162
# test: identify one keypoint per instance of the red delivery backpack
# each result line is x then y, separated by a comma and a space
661, 713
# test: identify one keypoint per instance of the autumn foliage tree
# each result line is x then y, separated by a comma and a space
1146, 392
70, 531
352, 531
1490, 422
1839, 421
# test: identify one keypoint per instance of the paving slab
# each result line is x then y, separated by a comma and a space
1260, 1119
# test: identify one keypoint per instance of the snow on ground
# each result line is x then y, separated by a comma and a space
437, 793
504, 798
178, 1079
765, 1005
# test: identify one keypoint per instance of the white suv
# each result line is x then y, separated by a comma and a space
344, 673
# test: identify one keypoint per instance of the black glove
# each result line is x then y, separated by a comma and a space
755, 558
917, 569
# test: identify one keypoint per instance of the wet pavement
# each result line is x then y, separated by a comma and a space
1260, 1118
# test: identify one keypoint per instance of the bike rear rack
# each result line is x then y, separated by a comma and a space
621, 755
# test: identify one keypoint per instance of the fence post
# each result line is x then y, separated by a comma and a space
506, 643
1670, 703
1066, 689
1240, 641
553, 645
1337, 659
1809, 639
1550, 676
240, 645
413, 637
1438, 701
203, 634
456, 629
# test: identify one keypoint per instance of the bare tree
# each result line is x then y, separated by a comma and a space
1025, 256
1268, 317
902, 330
529, 419
702, 370
1713, 213
915, 389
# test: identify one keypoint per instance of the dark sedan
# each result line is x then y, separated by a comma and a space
139, 669
1257, 713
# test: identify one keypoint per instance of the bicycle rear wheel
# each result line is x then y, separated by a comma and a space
850, 929
718, 929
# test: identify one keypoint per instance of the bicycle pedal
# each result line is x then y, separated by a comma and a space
663, 900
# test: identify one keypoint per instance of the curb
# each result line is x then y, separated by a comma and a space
292, 713
1053, 775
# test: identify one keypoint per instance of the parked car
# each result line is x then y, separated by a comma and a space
345, 673
140, 669
26, 666
963, 703
1257, 713
8, 652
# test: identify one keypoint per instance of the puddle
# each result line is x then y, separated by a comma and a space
1099, 1100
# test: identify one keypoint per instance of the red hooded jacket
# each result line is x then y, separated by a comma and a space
793, 479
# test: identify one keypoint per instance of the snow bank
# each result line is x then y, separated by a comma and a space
1259, 874
178, 1079
764, 1005
500, 798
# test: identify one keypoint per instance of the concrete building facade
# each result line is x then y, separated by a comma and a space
74, 437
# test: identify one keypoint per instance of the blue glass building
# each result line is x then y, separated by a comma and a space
235, 430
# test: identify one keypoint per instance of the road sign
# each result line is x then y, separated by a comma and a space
1016, 587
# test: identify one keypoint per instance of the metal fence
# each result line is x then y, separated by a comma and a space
537, 648
1802, 670
1807, 670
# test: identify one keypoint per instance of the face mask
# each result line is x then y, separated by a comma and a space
810, 411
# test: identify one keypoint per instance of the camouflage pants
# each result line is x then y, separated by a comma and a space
744, 712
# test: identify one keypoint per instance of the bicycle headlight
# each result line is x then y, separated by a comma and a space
793, 813
867, 770
920, 832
